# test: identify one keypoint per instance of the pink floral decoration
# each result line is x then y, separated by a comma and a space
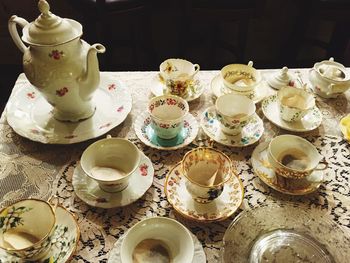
61, 92
55, 54
112, 87
120, 109
143, 169
31, 95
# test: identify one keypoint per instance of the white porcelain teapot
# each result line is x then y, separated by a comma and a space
63, 67
329, 78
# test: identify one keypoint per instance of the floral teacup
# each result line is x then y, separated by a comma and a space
234, 112
177, 75
167, 113
294, 103
26, 227
207, 170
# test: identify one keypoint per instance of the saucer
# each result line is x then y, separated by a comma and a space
219, 89
195, 91
146, 134
198, 257
219, 209
263, 170
309, 122
285, 232
250, 134
29, 114
88, 190
64, 240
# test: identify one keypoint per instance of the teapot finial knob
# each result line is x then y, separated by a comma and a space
284, 70
44, 7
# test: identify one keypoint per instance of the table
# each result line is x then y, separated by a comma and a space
31, 169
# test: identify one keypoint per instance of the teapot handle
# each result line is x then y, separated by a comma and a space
14, 20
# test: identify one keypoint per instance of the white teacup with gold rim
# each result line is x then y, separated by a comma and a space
26, 227
167, 113
294, 103
240, 77
111, 162
206, 170
234, 112
293, 157
177, 74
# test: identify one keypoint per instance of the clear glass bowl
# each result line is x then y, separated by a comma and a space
285, 232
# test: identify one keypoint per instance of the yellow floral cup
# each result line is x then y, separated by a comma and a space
345, 126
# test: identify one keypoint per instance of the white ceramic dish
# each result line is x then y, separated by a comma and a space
219, 209
309, 122
146, 134
30, 115
88, 190
250, 133
262, 90
174, 237
65, 239
196, 88
198, 257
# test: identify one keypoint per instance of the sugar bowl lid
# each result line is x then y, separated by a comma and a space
282, 78
49, 29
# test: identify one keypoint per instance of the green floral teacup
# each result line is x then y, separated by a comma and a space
206, 170
26, 228
167, 113
294, 103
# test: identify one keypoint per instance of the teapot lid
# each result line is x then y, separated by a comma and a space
49, 29
282, 78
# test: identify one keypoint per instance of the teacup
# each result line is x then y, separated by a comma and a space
167, 113
291, 156
26, 227
177, 75
240, 77
156, 238
206, 170
294, 103
111, 162
234, 112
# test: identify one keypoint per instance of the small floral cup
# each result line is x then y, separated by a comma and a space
234, 112
26, 227
294, 103
207, 170
167, 113
177, 75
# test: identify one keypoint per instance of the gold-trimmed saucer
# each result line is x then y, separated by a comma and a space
264, 171
219, 209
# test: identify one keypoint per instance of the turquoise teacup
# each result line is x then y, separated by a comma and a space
167, 113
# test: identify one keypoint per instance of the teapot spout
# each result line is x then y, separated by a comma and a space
91, 77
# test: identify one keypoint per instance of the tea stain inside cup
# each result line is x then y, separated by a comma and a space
151, 251
107, 173
294, 159
19, 240
294, 101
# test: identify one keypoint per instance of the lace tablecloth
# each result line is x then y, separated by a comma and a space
31, 169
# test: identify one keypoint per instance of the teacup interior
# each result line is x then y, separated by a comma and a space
294, 152
240, 75
296, 98
110, 159
206, 167
235, 106
177, 68
167, 240
167, 108
22, 225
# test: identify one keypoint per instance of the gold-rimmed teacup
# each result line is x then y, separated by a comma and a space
25, 234
206, 170
293, 157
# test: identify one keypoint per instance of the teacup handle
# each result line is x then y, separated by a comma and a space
324, 167
196, 68
54, 202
